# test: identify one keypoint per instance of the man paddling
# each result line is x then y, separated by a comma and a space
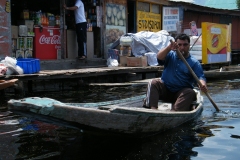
177, 83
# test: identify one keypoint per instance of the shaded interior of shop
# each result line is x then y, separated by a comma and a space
17, 7
94, 32
53, 8
131, 5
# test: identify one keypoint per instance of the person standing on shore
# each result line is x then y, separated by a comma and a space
81, 27
177, 83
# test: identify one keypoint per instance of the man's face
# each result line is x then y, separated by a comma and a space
183, 47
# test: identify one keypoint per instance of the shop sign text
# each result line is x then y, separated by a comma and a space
170, 18
147, 21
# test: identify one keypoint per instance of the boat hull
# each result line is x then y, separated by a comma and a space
125, 116
143, 121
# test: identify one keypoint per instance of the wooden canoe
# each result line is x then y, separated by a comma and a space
7, 83
122, 116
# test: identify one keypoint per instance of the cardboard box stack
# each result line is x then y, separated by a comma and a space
127, 60
29, 24
22, 36
23, 31
125, 51
137, 61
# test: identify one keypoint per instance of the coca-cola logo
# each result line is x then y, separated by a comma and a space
56, 39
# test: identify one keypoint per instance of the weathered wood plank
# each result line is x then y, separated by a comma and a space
86, 72
226, 72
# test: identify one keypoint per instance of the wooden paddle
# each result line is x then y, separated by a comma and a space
196, 78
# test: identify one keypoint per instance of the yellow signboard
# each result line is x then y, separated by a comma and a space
215, 41
147, 21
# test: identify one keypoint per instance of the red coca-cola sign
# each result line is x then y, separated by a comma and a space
56, 39
47, 42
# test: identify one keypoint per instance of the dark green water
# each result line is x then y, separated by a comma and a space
213, 136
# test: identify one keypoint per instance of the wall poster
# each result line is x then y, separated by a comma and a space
216, 39
171, 17
115, 20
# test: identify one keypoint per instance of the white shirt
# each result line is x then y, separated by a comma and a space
79, 12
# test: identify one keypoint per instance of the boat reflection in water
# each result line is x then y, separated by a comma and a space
41, 140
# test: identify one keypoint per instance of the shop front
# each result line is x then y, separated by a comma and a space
122, 16
35, 28
93, 13
115, 22
145, 15
43, 29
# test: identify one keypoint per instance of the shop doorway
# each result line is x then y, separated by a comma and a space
92, 14
131, 16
